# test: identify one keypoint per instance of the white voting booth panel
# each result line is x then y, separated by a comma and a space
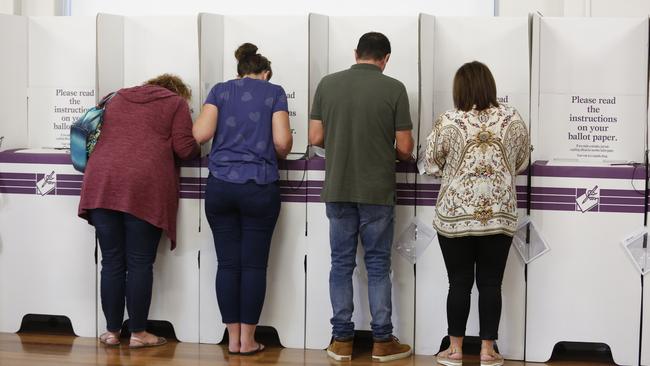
590, 88
61, 77
589, 97
13, 73
132, 50
284, 40
446, 44
284, 307
586, 288
343, 33
47, 263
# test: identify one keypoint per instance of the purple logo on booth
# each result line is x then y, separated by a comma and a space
588, 200
46, 184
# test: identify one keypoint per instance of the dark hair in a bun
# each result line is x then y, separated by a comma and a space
251, 62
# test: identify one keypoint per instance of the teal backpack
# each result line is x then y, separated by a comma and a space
84, 134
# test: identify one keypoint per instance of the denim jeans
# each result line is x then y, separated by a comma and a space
242, 218
128, 247
374, 224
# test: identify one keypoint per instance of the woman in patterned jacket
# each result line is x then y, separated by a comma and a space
478, 149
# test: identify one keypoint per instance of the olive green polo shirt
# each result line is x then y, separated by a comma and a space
361, 109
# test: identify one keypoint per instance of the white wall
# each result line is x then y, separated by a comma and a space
573, 8
7, 7
329, 7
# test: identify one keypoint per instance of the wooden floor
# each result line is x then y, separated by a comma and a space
35, 349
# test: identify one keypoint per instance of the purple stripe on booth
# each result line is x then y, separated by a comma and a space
191, 195
552, 198
315, 183
622, 193
67, 192
18, 190
70, 177
554, 190
190, 188
300, 164
553, 206
316, 163
34, 158
7, 175
314, 199
425, 202
67, 184
292, 198
17, 183
622, 201
406, 167
621, 208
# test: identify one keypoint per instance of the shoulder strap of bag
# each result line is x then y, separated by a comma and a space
105, 100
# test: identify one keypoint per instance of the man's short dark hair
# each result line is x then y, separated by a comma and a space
373, 46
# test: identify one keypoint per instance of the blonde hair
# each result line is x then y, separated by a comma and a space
172, 83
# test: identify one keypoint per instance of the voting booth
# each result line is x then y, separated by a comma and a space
343, 35
446, 43
132, 50
285, 294
36, 187
589, 109
13, 92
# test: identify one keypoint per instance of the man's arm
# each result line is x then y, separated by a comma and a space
316, 133
404, 145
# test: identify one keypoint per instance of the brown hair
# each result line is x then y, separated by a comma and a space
474, 87
251, 62
172, 83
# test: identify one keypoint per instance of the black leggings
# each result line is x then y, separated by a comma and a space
489, 254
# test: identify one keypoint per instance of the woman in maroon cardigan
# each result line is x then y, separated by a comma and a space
130, 194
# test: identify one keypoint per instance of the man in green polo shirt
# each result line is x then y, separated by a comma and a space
361, 117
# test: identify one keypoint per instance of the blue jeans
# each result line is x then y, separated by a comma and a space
242, 218
128, 247
374, 223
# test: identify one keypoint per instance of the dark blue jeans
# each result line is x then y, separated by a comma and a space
374, 223
128, 247
242, 218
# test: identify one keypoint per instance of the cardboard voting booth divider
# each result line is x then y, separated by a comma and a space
446, 43
590, 89
589, 95
285, 295
148, 47
51, 61
13, 73
61, 77
342, 37
47, 263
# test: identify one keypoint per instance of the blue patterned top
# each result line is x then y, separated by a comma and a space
242, 148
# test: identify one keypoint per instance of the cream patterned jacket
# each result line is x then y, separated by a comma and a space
478, 156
